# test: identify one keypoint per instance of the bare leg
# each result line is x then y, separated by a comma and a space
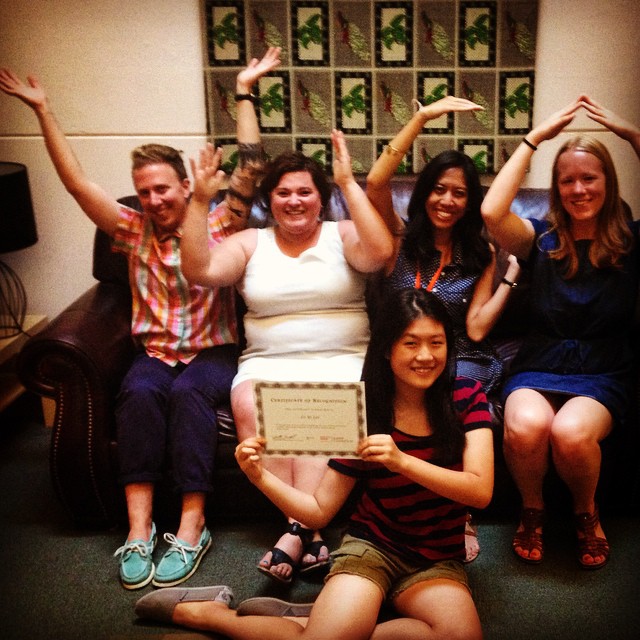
304, 474
139, 497
578, 428
527, 427
192, 519
436, 609
347, 608
218, 618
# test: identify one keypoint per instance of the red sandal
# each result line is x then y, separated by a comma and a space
529, 539
590, 544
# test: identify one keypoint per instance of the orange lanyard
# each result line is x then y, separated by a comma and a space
433, 280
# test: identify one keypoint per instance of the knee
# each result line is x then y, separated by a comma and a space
571, 440
138, 388
524, 428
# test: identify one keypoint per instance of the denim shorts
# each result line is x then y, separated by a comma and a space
392, 573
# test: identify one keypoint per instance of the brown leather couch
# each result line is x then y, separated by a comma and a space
81, 357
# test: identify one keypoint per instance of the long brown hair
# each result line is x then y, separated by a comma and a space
613, 238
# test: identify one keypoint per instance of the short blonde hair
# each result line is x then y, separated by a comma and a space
158, 154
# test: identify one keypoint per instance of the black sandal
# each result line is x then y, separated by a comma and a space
319, 567
278, 556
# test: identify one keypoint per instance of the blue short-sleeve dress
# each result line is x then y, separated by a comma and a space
580, 343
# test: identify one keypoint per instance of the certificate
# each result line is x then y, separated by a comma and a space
311, 418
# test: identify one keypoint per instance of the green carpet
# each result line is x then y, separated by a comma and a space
61, 583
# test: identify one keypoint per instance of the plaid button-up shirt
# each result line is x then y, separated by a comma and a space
172, 319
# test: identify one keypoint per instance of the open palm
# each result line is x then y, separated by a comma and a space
31, 94
257, 68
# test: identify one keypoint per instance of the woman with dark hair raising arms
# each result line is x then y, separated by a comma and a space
441, 247
570, 382
429, 455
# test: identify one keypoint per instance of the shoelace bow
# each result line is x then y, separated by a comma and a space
131, 547
177, 546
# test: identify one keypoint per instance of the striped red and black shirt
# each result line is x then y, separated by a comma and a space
403, 516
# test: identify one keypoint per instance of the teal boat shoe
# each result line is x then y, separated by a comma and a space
181, 560
136, 563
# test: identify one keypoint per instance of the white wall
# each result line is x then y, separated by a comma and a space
119, 73
123, 72
592, 47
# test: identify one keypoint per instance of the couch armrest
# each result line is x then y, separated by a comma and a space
79, 360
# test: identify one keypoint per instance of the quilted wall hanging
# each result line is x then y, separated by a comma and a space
356, 65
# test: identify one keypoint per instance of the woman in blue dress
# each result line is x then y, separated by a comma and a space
570, 383
441, 247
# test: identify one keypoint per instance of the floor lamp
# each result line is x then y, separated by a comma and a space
17, 231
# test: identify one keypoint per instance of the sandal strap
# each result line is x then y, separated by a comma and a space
529, 538
531, 519
587, 522
590, 543
296, 529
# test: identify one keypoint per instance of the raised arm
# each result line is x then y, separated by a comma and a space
224, 263
379, 178
316, 510
101, 208
613, 122
367, 240
487, 305
251, 157
512, 233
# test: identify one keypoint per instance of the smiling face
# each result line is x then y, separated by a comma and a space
296, 203
163, 196
419, 356
582, 187
447, 202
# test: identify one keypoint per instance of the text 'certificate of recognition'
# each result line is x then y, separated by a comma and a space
311, 418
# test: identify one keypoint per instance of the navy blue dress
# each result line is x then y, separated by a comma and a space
581, 341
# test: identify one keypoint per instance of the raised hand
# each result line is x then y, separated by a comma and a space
382, 449
554, 124
626, 130
32, 94
342, 170
513, 268
256, 69
208, 178
447, 105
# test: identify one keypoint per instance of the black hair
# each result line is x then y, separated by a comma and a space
399, 309
468, 231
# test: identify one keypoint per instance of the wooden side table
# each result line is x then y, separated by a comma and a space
10, 387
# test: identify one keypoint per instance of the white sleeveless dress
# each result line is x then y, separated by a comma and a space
306, 319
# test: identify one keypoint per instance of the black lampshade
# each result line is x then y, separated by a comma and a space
17, 222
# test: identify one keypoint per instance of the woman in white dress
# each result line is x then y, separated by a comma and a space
303, 282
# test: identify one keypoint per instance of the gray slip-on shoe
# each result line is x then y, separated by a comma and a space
159, 605
264, 606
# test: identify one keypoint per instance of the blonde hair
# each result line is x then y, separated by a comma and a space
613, 238
158, 154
